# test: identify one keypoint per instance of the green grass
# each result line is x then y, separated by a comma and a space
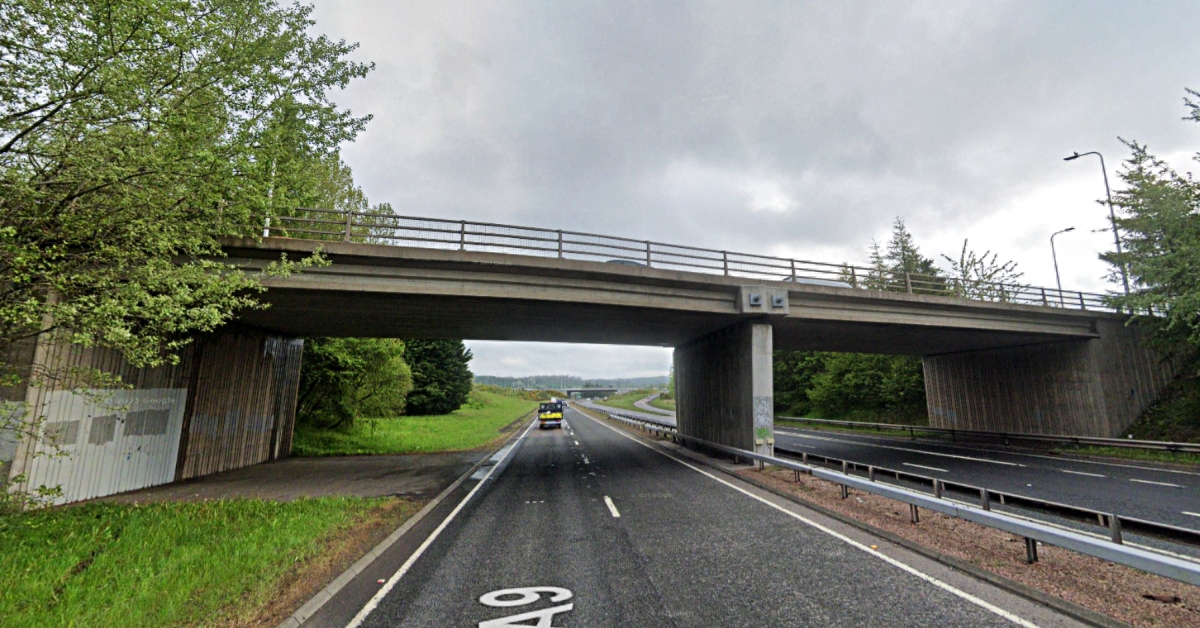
473, 425
1149, 455
163, 564
663, 404
625, 401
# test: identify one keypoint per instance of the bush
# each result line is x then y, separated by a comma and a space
342, 379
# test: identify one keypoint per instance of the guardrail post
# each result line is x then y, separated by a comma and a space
937, 488
560, 247
462, 235
985, 499
804, 457
1082, 303
853, 278
845, 471
871, 473
1030, 550
725, 261
349, 223
1114, 529
793, 270
1045, 302
647, 254
907, 282
914, 514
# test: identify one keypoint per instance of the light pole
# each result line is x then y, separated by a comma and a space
1054, 254
1111, 214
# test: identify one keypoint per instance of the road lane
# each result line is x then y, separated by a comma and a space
1130, 489
636, 538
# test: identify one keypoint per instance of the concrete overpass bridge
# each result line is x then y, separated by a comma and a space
996, 357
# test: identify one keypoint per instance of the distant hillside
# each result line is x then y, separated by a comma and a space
559, 382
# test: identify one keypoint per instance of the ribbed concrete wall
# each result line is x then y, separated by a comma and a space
723, 387
244, 406
1085, 388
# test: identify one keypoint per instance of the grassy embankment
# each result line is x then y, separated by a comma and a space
476, 424
217, 563
624, 401
663, 404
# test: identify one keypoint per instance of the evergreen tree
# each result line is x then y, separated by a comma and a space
441, 379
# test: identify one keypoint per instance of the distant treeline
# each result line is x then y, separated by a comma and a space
560, 382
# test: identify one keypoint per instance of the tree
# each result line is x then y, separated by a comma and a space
344, 379
441, 379
1159, 223
983, 276
133, 135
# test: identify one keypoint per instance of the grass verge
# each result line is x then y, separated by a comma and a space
624, 401
663, 404
216, 563
474, 425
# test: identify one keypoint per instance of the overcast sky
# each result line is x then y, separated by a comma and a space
794, 128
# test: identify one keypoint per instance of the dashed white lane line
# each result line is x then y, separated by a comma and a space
577, 443
1090, 475
611, 506
1155, 483
915, 451
1194, 514
391, 582
921, 466
841, 537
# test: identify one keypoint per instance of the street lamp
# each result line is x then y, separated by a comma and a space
1055, 255
1111, 214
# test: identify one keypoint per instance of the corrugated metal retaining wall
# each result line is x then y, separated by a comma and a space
245, 403
100, 441
230, 402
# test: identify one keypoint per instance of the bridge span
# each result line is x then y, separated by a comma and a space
1002, 358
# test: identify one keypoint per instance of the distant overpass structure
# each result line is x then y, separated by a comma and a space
997, 357
589, 393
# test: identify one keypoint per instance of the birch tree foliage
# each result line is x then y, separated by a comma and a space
133, 135
983, 276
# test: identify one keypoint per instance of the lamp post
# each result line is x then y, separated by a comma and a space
1111, 214
1054, 254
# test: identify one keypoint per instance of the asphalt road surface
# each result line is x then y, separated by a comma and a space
587, 526
1131, 489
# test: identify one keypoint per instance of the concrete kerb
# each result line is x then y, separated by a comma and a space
314, 604
1062, 606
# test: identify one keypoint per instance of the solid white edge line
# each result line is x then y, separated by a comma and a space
387, 587
910, 450
611, 506
888, 559
1194, 514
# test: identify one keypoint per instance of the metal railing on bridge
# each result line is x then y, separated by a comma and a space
465, 235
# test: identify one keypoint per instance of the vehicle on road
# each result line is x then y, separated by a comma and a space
550, 414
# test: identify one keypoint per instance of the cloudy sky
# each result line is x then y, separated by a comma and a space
793, 128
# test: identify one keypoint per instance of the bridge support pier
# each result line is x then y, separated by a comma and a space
724, 387
1094, 387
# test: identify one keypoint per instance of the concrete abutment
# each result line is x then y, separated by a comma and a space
1093, 387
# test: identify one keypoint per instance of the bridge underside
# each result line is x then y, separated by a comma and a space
303, 313
991, 366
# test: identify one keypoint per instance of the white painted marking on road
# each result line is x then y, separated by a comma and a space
586, 461
576, 443
391, 583
611, 506
1155, 483
910, 450
921, 466
1194, 514
1093, 475
888, 559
